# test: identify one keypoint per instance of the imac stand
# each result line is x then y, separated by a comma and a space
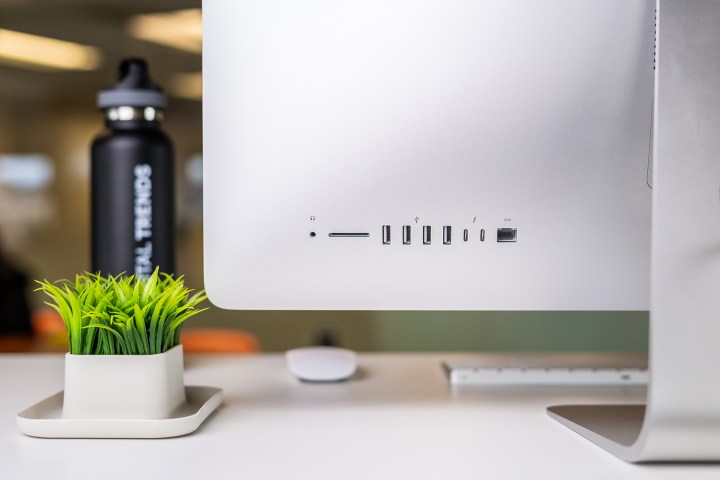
681, 421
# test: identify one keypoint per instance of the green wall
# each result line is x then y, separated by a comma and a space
443, 331
512, 331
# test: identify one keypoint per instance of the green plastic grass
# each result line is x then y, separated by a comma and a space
122, 315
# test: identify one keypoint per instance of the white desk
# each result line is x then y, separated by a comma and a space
396, 420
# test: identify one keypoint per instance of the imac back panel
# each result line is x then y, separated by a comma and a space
428, 154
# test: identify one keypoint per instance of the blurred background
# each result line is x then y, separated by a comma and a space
48, 119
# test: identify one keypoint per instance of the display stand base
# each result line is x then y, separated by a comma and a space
612, 427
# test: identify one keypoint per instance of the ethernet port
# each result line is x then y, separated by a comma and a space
507, 234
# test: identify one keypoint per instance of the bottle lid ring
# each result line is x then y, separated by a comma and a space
131, 98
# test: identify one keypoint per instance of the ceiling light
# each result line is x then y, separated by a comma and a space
28, 172
180, 29
187, 85
23, 48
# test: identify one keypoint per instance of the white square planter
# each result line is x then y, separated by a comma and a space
124, 386
122, 396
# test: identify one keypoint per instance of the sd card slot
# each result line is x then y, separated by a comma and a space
348, 234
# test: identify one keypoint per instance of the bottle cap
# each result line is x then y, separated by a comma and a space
134, 88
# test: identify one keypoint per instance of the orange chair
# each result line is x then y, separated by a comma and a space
216, 340
49, 330
46, 322
49, 333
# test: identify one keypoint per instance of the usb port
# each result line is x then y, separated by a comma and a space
386, 234
427, 235
406, 235
507, 234
447, 235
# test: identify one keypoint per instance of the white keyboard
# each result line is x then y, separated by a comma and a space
548, 369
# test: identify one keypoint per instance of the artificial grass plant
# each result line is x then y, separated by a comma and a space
122, 315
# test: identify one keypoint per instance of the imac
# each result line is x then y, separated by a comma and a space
478, 155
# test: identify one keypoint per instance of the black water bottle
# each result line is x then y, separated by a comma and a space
133, 213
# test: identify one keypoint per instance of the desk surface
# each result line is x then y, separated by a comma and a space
397, 419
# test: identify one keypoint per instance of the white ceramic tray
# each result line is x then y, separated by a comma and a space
44, 419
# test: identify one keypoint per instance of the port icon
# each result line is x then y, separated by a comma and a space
506, 235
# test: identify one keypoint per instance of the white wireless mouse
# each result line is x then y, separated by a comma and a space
321, 364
